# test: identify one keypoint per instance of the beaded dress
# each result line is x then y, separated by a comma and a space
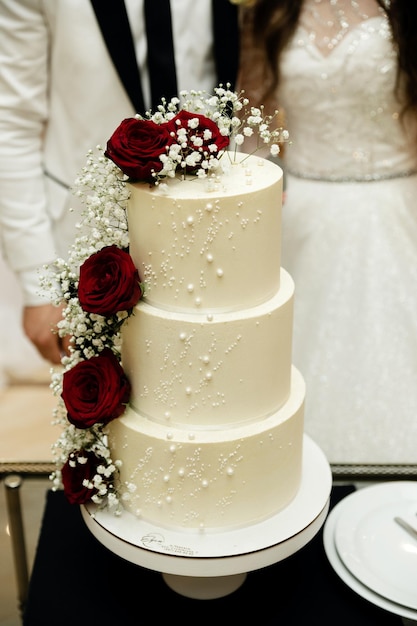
350, 243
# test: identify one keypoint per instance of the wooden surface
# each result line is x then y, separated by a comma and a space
26, 430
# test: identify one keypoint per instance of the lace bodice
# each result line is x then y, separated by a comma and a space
341, 110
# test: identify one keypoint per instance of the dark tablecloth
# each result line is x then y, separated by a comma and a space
76, 581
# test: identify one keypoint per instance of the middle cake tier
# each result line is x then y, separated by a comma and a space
211, 369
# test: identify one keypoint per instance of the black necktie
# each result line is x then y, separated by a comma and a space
161, 61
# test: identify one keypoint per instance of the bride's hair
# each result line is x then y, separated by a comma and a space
274, 22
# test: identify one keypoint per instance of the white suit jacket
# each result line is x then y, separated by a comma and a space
68, 76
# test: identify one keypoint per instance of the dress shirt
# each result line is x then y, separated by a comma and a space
193, 47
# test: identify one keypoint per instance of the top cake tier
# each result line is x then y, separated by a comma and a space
221, 237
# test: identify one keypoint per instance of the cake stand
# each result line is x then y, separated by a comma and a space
211, 564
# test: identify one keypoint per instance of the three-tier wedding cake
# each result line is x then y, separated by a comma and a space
213, 433
191, 328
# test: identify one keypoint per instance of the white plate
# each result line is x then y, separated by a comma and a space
373, 547
344, 573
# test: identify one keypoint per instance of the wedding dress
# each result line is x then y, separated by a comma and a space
350, 243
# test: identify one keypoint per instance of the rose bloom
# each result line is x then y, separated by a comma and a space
136, 145
206, 132
108, 282
73, 474
95, 390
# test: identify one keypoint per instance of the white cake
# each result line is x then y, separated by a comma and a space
212, 437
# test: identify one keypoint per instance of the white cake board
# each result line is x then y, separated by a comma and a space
207, 564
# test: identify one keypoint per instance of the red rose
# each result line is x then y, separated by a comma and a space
109, 282
206, 131
95, 390
136, 145
81, 466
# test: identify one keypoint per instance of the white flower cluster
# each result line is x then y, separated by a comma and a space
235, 119
103, 191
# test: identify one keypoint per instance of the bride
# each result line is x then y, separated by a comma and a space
345, 74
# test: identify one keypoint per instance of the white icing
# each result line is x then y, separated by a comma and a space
249, 354
231, 477
213, 434
239, 227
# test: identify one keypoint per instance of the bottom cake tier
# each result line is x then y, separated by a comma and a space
210, 478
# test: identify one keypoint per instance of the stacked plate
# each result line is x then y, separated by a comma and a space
371, 551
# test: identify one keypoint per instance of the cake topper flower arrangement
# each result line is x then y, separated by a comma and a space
99, 284
192, 139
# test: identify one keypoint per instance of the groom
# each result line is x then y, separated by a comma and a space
71, 71
188, 42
